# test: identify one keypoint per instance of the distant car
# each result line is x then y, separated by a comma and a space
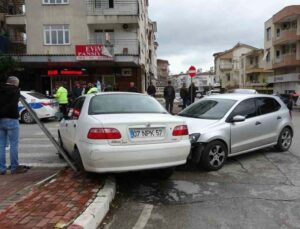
121, 131
244, 91
43, 106
227, 125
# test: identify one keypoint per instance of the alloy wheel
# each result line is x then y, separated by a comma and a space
216, 156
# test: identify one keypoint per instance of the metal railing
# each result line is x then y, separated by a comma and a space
115, 7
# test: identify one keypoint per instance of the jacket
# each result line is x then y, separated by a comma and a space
61, 95
92, 90
151, 90
184, 93
9, 99
169, 92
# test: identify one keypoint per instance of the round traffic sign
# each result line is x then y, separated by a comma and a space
192, 71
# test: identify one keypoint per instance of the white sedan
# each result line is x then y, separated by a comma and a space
120, 131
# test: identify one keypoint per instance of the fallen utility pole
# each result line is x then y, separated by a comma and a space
47, 133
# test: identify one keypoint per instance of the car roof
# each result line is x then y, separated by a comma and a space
113, 93
237, 96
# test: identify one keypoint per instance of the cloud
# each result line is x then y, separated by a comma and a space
190, 31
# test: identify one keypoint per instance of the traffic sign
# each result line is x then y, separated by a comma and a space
192, 71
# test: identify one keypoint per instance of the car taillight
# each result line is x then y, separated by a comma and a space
104, 133
76, 113
180, 130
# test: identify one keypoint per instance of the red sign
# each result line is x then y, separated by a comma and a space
52, 72
65, 72
192, 71
92, 52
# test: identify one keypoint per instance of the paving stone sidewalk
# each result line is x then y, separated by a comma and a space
54, 204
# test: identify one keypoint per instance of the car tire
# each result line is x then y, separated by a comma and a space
77, 160
214, 156
27, 118
284, 140
163, 174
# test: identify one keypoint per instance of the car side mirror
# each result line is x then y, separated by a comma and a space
238, 118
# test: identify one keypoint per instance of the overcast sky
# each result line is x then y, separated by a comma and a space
190, 31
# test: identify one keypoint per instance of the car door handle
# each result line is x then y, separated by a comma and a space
279, 117
257, 123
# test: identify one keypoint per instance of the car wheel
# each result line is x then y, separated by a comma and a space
163, 174
77, 159
285, 140
214, 156
27, 118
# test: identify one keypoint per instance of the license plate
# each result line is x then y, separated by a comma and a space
147, 133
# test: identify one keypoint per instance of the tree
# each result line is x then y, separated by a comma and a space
7, 66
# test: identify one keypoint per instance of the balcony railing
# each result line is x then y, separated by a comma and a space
119, 46
224, 66
286, 36
116, 7
286, 60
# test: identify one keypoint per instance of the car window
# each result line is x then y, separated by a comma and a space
267, 105
124, 103
246, 108
37, 95
208, 109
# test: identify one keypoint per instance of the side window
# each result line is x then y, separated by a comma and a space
246, 108
267, 105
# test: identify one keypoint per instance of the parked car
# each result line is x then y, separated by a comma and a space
227, 125
244, 91
43, 106
121, 131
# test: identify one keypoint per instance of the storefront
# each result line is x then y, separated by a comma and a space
286, 83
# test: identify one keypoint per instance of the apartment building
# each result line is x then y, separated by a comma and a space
282, 49
163, 72
228, 65
254, 73
70, 41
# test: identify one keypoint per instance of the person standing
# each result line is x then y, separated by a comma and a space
295, 97
77, 90
192, 93
132, 88
290, 104
184, 94
151, 90
169, 95
61, 96
9, 125
92, 89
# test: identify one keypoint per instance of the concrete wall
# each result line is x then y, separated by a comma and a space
269, 44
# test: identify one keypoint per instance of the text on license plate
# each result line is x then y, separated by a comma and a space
145, 133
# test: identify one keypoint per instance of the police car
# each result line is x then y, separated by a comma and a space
43, 106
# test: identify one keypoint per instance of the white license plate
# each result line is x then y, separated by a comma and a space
147, 133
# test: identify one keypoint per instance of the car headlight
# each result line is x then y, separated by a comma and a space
194, 137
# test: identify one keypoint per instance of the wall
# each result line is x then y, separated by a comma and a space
269, 44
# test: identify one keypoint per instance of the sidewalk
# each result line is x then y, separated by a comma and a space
54, 204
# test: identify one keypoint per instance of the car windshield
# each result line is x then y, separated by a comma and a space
124, 103
244, 91
37, 95
208, 109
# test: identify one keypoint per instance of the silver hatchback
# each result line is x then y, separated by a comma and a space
227, 125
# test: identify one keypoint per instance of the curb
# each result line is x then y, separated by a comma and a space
97, 210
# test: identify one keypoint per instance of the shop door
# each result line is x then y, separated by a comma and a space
109, 80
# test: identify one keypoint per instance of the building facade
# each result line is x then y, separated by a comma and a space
228, 66
84, 41
282, 49
163, 72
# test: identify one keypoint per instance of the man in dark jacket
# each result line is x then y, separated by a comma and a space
184, 94
9, 124
169, 95
151, 90
192, 93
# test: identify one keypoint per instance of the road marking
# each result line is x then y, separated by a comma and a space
35, 146
46, 165
144, 217
34, 139
38, 155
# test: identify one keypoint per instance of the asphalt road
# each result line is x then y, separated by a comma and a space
257, 190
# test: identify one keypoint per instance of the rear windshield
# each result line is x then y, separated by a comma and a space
208, 109
124, 103
37, 95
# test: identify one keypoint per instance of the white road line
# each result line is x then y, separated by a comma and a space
33, 139
46, 165
34, 146
37, 155
144, 217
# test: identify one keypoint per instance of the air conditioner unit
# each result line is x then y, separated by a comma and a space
125, 26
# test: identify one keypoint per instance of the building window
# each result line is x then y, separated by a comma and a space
111, 4
228, 76
56, 35
98, 4
55, 1
104, 36
268, 33
268, 56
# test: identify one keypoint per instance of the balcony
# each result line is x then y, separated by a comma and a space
286, 61
255, 84
226, 66
119, 47
12, 45
286, 37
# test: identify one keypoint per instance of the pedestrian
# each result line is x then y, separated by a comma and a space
92, 89
169, 95
295, 97
132, 88
192, 93
9, 125
290, 104
184, 94
77, 90
151, 90
61, 96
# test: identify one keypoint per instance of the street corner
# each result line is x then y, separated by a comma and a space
63, 201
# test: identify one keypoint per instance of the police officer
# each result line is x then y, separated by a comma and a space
92, 89
61, 96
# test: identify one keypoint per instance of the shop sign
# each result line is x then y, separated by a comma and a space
92, 52
65, 72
